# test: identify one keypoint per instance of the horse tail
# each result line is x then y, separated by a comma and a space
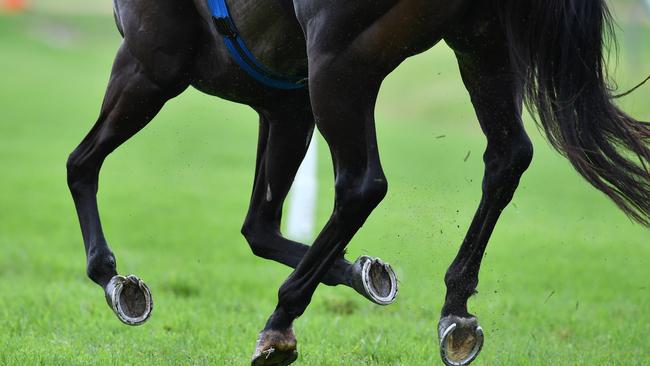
559, 47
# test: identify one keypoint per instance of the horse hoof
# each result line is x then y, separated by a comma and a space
461, 340
130, 299
275, 348
375, 280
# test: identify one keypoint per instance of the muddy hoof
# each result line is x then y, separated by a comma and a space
375, 280
461, 340
275, 348
130, 299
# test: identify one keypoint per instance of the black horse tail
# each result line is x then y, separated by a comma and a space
560, 49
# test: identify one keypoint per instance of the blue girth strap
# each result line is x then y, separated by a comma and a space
242, 55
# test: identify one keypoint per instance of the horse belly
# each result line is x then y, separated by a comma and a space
273, 36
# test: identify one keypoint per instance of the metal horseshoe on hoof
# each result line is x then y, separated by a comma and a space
461, 340
130, 299
375, 280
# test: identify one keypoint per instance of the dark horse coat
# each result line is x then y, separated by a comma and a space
548, 53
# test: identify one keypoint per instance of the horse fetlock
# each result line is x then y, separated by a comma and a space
101, 267
460, 287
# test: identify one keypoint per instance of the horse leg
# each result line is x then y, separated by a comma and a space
131, 101
344, 115
496, 95
285, 134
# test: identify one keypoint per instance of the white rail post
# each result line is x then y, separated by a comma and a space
303, 198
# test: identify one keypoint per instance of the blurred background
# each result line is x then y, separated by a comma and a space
565, 281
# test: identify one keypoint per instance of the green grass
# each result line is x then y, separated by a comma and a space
565, 280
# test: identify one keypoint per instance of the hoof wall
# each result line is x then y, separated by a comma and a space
375, 280
275, 348
273, 357
461, 340
130, 299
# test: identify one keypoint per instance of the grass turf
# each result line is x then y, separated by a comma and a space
564, 281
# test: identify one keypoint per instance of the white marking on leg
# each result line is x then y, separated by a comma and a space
269, 195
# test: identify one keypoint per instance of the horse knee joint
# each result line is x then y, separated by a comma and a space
82, 169
72, 164
461, 284
255, 239
74, 171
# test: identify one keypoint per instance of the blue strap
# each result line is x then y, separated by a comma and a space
243, 56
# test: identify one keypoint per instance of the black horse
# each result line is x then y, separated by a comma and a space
548, 53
